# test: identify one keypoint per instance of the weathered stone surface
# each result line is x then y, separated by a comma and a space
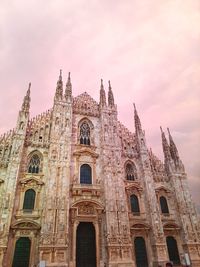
121, 167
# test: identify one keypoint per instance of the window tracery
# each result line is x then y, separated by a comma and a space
34, 164
85, 134
130, 172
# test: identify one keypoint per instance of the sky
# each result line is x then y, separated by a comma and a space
148, 49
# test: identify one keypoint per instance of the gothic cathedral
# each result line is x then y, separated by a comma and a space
78, 189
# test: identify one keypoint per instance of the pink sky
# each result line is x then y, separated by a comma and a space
148, 49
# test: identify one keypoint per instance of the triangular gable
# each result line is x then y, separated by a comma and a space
84, 104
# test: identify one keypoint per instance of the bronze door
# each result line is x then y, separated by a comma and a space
85, 245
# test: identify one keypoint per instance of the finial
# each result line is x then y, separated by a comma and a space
109, 84
101, 82
161, 129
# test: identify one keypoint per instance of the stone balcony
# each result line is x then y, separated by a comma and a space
28, 214
86, 191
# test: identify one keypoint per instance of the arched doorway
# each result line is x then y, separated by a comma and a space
22, 252
140, 252
85, 245
173, 250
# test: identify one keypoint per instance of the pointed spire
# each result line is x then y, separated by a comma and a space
27, 100
59, 87
138, 126
165, 145
110, 95
173, 149
102, 95
68, 89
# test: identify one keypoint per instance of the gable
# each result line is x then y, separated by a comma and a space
84, 104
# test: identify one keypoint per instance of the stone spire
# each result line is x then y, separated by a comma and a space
68, 89
165, 145
173, 149
27, 100
102, 95
138, 127
59, 88
111, 102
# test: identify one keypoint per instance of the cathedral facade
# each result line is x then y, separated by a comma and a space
78, 189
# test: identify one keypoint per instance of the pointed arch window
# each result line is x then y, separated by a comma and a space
34, 164
29, 200
163, 205
173, 250
130, 172
85, 174
135, 208
85, 133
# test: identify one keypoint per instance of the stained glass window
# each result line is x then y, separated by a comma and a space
85, 134
34, 164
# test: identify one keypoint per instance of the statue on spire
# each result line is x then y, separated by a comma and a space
102, 95
111, 102
59, 87
68, 88
27, 100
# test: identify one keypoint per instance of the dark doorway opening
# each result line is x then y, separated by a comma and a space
140, 252
85, 245
22, 252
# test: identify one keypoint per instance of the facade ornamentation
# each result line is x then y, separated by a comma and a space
74, 177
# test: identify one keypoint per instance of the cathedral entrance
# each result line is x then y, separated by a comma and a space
22, 252
85, 245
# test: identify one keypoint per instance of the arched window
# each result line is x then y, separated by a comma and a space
85, 134
173, 250
140, 252
163, 205
130, 172
34, 164
134, 204
22, 252
85, 174
29, 200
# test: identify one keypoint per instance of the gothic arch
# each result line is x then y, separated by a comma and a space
130, 171
85, 132
35, 160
